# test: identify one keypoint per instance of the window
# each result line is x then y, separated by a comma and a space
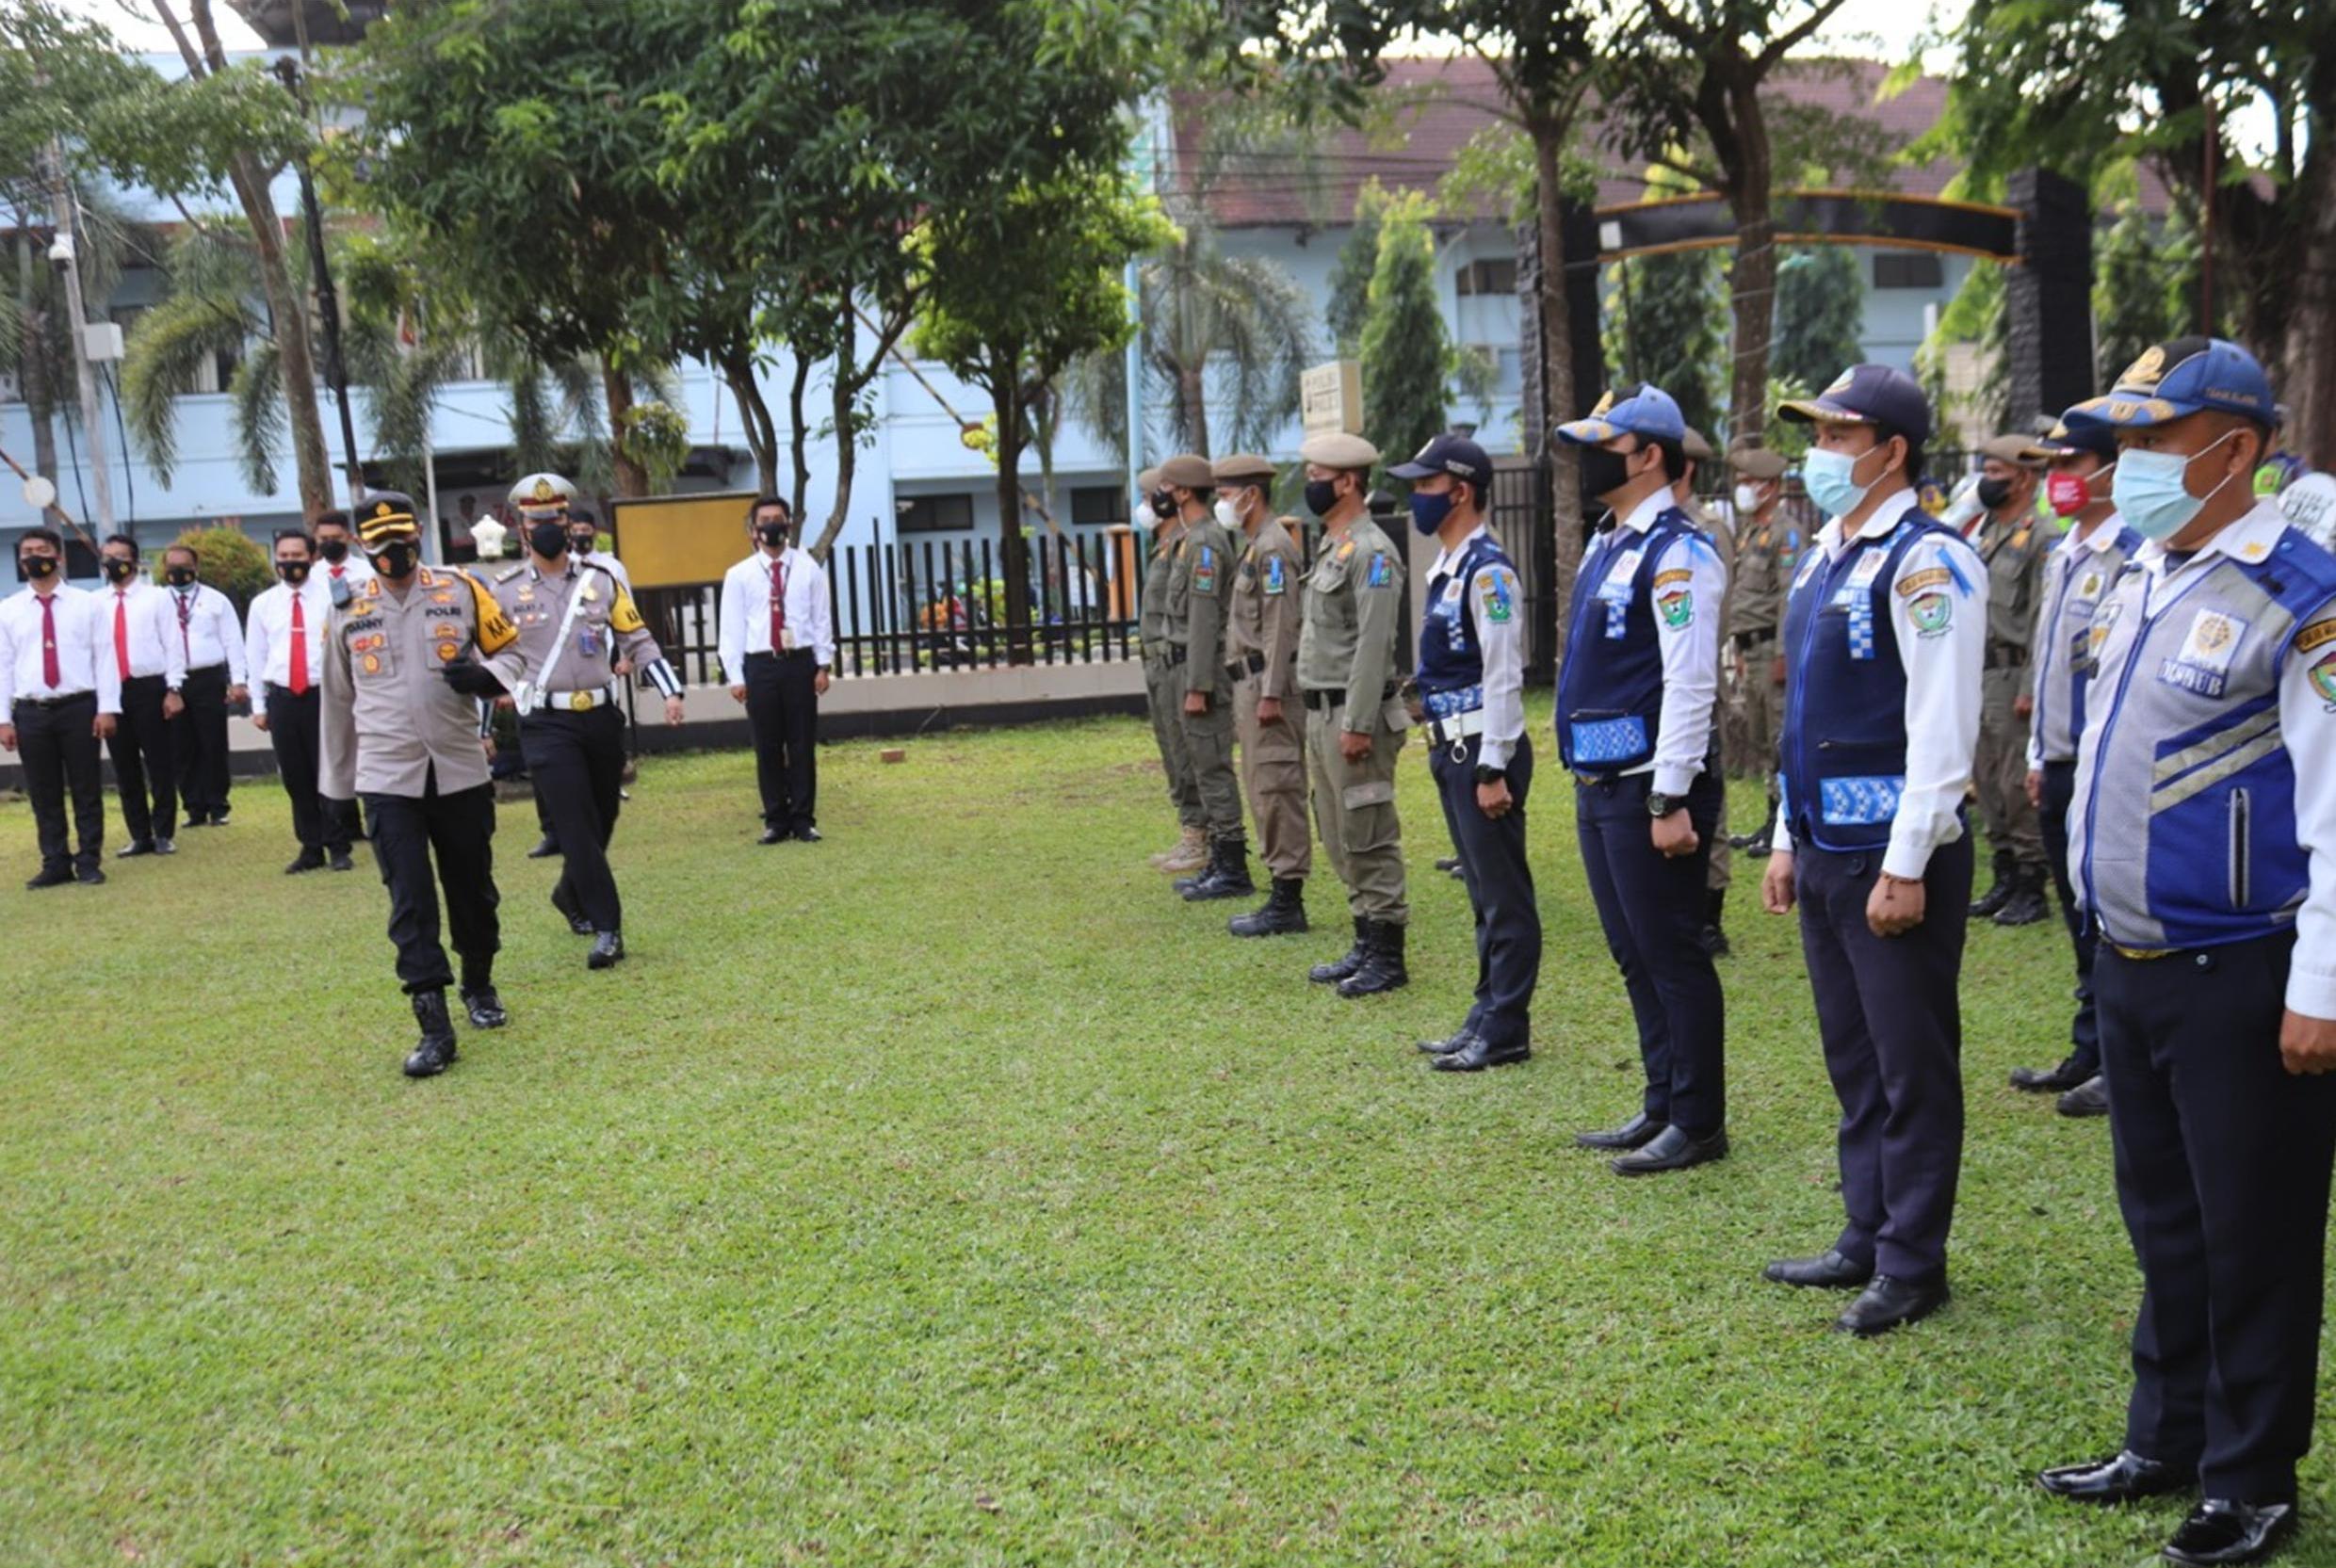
1487, 277
1098, 504
935, 514
1909, 269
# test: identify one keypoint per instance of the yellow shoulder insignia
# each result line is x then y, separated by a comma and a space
624, 616
496, 631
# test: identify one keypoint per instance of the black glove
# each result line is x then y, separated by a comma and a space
471, 678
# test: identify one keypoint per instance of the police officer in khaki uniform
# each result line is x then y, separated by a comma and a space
1768, 547
576, 621
1722, 534
2014, 547
1262, 648
1200, 581
400, 731
1353, 722
1163, 693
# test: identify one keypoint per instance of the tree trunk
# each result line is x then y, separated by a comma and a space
1557, 377
840, 412
632, 480
1753, 282
34, 366
1014, 550
1193, 392
2310, 349
799, 433
762, 437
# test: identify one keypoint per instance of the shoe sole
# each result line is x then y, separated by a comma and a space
1622, 1169
1445, 1064
1863, 1331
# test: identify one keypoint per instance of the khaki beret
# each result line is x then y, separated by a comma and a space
1756, 462
1696, 447
1339, 450
1243, 468
1186, 471
1148, 481
2023, 450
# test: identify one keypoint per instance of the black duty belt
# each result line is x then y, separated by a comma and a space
2007, 656
286, 694
1316, 700
1246, 666
1176, 653
65, 702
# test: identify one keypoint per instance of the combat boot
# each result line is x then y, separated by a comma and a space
1191, 853
434, 1052
1339, 968
1761, 844
2026, 905
1283, 911
1383, 963
1714, 941
1227, 876
1161, 860
2006, 879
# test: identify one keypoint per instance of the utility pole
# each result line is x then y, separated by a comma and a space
66, 255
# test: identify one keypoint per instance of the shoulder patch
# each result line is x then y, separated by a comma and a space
1499, 599
2319, 634
1276, 575
1382, 574
1928, 578
1675, 575
2020, 540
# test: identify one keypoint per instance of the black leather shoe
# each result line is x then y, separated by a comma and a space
485, 1008
135, 848
1339, 968
90, 876
58, 877
1638, 1132
1450, 862
570, 911
340, 862
1828, 1271
165, 845
1283, 914
2123, 1478
546, 847
1382, 968
774, 835
606, 948
2223, 1531
2090, 1098
1479, 1054
2049, 1080
1714, 942
1889, 1304
308, 860
1458, 1040
1672, 1150
807, 834
218, 819
434, 1052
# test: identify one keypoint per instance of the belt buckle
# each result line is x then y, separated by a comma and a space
581, 702
2142, 955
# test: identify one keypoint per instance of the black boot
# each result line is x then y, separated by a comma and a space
2006, 879
1339, 968
478, 999
1383, 963
2026, 905
434, 1052
1713, 939
570, 911
1282, 914
1227, 876
1759, 845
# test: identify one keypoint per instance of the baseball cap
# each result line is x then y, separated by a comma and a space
2067, 440
1641, 409
2177, 379
1449, 454
1867, 395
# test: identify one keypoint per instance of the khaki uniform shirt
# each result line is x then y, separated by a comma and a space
390, 722
1199, 581
1765, 556
1354, 614
605, 626
1152, 626
2014, 552
1266, 594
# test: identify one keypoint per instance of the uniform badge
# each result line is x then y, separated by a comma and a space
2203, 665
1345, 550
1677, 607
1932, 614
1276, 575
2316, 634
1381, 573
587, 593
443, 598
2090, 587
1500, 605
2020, 540
2324, 682
1205, 573
371, 664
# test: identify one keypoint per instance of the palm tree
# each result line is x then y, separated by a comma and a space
208, 315
35, 338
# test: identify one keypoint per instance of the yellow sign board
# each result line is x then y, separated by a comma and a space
680, 541
1331, 398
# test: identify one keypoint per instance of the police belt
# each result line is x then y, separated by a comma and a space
1174, 653
68, 699
2007, 656
574, 701
1244, 666
1317, 699
1457, 726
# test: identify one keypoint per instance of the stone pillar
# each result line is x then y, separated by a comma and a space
2048, 298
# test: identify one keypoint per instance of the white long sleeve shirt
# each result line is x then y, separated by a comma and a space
85, 650
1690, 582
267, 637
140, 616
1943, 664
356, 572
745, 615
209, 634
1501, 638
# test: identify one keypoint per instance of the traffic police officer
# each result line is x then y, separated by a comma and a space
1200, 580
2013, 548
576, 622
1472, 684
1261, 645
1637, 703
1353, 722
1163, 688
400, 731
2202, 832
1767, 546
1883, 636
536, 498
2077, 576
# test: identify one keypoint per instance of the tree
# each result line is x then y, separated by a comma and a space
1820, 313
1350, 279
207, 317
1668, 314
1408, 357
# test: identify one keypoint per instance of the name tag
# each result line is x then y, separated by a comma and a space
1868, 568
2203, 665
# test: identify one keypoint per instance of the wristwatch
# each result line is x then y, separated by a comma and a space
1490, 775
1660, 804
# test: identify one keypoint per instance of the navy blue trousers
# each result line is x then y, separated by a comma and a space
1501, 890
1891, 1021
1651, 909
2223, 1159
2084, 1031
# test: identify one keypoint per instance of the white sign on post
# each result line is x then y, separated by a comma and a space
1331, 398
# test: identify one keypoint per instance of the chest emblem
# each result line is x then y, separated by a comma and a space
2203, 665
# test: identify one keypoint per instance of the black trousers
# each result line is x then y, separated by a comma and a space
460, 829
1651, 909
145, 773
199, 751
2223, 1159
318, 824
1501, 890
2085, 1029
59, 746
578, 762
1888, 1012
782, 712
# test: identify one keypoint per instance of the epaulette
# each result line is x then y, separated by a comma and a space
510, 575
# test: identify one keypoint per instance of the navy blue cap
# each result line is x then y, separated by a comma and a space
1455, 455
2070, 438
1867, 395
2174, 381
1644, 411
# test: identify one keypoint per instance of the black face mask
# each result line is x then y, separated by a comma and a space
179, 576
1994, 492
36, 568
120, 570
334, 550
293, 572
547, 539
397, 560
773, 534
582, 541
1603, 471
1164, 504
1320, 496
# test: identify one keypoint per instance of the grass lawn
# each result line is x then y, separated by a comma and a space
950, 1192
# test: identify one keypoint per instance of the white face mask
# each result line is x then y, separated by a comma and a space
1228, 516
1748, 499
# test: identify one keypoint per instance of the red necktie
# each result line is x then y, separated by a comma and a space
185, 639
51, 677
300, 649
778, 606
121, 630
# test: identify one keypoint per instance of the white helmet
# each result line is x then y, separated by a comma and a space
542, 495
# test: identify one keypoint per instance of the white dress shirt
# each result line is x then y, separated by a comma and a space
1690, 645
603, 559
746, 610
2048, 645
85, 650
1502, 644
208, 630
267, 637
152, 628
1943, 667
356, 572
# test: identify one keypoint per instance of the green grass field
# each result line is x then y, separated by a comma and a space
951, 1193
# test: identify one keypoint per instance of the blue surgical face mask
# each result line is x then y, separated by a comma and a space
1429, 511
2151, 494
1828, 477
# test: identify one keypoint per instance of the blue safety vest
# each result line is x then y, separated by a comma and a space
1452, 652
1610, 694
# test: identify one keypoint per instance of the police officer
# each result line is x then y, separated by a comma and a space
2203, 823
1471, 684
1767, 546
1200, 581
1353, 722
1262, 648
1164, 691
1883, 635
2013, 548
1721, 533
400, 731
534, 498
576, 622
1637, 706
2077, 576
